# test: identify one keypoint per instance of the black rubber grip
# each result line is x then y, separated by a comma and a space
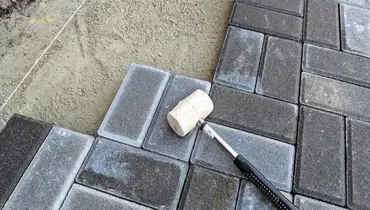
254, 176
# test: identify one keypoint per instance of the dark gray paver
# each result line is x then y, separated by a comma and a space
320, 158
335, 96
293, 7
305, 203
257, 114
134, 174
160, 137
19, 141
84, 198
267, 21
132, 110
52, 171
251, 198
355, 25
322, 23
358, 165
207, 189
273, 158
338, 65
239, 60
280, 73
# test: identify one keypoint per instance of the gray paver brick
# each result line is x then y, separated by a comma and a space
335, 96
273, 158
338, 65
267, 21
293, 7
132, 110
160, 137
305, 203
320, 158
251, 198
239, 60
19, 141
355, 25
322, 23
128, 172
254, 113
51, 173
358, 165
280, 73
207, 189
84, 198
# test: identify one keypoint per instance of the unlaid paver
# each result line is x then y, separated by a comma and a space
293, 7
267, 21
207, 189
132, 110
254, 113
84, 198
160, 137
358, 165
52, 171
305, 203
280, 73
322, 23
335, 96
355, 24
320, 159
338, 65
273, 158
240, 59
131, 173
19, 141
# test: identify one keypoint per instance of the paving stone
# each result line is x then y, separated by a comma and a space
239, 60
251, 198
51, 173
338, 65
160, 137
253, 113
280, 73
305, 203
267, 21
335, 96
134, 174
132, 110
358, 165
320, 160
19, 141
207, 189
84, 198
293, 7
322, 23
273, 158
355, 30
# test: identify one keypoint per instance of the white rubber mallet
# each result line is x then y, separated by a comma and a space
190, 112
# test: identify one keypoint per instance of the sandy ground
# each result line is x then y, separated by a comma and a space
76, 80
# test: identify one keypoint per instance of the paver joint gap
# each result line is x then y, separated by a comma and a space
261, 62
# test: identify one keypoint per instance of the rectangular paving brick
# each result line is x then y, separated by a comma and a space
267, 21
19, 141
293, 7
160, 137
253, 113
132, 110
338, 65
273, 158
305, 203
131, 173
52, 171
322, 23
320, 159
240, 59
335, 96
358, 165
84, 198
207, 189
280, 72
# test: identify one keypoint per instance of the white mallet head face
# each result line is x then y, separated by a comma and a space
184, 117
